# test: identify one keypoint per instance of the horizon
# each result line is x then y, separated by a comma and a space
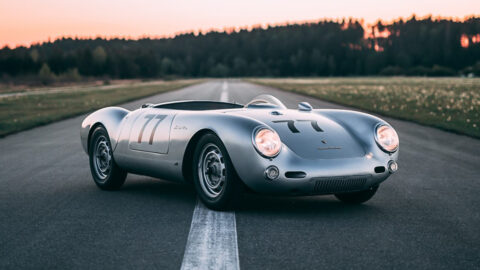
37, 23
237, 29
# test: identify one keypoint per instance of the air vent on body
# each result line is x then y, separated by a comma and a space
339, 184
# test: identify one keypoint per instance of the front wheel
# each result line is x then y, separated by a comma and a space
215, 179
357, 197
105, 172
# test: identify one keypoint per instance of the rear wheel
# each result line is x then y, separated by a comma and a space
105, 172
357, 197
215, 179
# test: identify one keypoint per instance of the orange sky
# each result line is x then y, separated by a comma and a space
25, 21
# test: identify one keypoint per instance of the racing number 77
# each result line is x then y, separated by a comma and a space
293, 129
150, 117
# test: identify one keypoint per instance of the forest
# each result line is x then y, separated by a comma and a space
411, 47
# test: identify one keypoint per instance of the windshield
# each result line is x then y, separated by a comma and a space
265, 101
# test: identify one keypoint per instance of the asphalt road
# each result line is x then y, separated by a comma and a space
53, 216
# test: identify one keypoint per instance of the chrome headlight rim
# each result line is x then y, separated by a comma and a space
379, 125
254, 135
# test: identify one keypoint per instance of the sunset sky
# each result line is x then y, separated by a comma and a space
25, 21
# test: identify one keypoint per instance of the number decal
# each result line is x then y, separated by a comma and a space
160, 118
290, 124
314, 124
150, 117
293, 129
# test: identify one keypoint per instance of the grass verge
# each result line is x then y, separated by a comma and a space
448, 103
19, 113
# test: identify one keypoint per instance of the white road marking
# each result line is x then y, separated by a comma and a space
212, 241
224, 94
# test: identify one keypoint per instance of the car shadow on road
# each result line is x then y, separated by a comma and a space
141, 187
318, 205
155, 189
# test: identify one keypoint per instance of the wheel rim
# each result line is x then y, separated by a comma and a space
102, 158
211, 170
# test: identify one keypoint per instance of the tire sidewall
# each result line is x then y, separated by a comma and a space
228, 195
116, 176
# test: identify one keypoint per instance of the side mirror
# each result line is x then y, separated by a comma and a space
147, 105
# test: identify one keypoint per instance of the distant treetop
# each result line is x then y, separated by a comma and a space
427, 46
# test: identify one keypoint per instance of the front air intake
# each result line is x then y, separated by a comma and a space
380, 169
339, 184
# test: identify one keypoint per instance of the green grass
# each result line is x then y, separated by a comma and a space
448, 103
24, 112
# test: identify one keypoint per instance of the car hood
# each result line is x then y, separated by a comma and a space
308, 134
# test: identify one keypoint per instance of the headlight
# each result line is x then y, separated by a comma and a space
386, 138
267, 142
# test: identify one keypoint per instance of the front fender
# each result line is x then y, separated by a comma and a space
110, 117
234, 131
361, 126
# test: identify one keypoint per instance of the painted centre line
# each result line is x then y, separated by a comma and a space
224, 94
212, 240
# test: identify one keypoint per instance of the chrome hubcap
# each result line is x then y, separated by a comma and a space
102, 158
211, 170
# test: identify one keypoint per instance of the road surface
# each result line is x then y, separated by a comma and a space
53, 216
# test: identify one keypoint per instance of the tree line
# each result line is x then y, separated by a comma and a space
425, 47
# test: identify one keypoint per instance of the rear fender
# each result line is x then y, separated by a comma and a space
110, 117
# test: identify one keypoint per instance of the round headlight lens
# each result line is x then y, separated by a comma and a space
267, 142
387, 138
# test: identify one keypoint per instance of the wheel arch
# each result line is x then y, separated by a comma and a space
90, 133
187, 162
110, 118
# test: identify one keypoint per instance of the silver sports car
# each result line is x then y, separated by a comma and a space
226, 148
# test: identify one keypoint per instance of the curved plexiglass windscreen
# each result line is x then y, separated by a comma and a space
265, 101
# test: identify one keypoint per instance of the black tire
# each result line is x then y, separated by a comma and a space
357, 197
105, 172
211, 167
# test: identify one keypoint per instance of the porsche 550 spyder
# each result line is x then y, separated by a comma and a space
226, 148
